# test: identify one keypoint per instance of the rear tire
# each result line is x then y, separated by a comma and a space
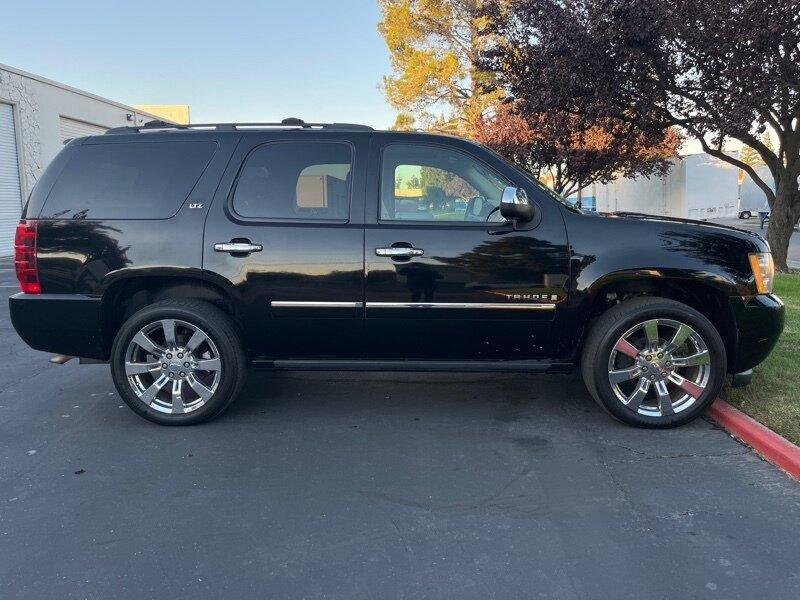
178, 362
653, 362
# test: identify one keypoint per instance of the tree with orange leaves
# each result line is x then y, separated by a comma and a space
433, 48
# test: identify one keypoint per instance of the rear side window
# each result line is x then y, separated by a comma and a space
140, 180
295, 181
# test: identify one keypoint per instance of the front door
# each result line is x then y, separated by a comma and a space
446, 277
285, 238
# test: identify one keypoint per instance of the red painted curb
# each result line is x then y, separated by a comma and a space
776, 449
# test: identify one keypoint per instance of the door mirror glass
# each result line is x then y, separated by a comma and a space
515, 205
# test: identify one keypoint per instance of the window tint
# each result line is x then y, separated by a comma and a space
295, 180
140, 180
430, 183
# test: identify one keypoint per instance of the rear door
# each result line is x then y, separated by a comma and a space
446, 277
285, 237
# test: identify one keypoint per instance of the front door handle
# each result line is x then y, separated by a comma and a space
238, 247
399, 252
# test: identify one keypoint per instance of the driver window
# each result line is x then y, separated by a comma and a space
432, 183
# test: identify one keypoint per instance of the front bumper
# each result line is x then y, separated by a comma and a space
59, 323
759, 323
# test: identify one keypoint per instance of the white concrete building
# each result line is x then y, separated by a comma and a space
36, 116
698, 186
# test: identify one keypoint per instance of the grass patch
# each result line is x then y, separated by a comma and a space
773, 397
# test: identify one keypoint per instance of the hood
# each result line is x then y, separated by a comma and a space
690, 222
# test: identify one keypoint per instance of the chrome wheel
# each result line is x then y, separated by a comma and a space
659, 367
173, 366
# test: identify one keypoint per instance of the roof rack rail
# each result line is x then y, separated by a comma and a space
290, 123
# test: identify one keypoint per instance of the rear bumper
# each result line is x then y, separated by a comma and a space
759, 323
59, 323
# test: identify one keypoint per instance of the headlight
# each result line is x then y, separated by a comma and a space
763, 271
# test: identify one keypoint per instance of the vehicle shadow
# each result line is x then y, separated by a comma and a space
510, 396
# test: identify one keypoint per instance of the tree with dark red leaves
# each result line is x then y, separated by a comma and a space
719, 70
568, 153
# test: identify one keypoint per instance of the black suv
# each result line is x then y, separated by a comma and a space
183, 255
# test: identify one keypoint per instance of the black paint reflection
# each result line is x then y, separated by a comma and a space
420, 281
714, 250
76, 255
510, 259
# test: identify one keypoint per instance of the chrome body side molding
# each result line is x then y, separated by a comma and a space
452, 305
313, 304
465, 305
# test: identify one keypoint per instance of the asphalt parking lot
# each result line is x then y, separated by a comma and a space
375, 486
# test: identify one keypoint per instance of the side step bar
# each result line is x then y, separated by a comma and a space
447, 366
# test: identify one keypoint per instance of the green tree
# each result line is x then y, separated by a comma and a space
434, 47
433, 177
413, 183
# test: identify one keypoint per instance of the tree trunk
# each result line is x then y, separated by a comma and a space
782, 218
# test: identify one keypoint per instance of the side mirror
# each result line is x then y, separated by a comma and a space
515, 206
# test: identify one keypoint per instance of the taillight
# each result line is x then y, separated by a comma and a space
25, 257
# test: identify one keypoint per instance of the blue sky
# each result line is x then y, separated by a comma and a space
229, 60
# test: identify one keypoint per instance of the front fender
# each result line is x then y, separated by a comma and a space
650, 255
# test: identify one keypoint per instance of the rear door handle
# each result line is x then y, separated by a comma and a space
238, 247
399, 252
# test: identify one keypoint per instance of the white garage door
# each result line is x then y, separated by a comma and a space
71, 128
10, 192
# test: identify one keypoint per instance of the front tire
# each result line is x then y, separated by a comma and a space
654, 362
178, 362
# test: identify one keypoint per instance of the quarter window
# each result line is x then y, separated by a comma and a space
431, 183
295, 181
137, 180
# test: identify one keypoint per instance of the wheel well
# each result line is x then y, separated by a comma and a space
709, 301
128, 296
